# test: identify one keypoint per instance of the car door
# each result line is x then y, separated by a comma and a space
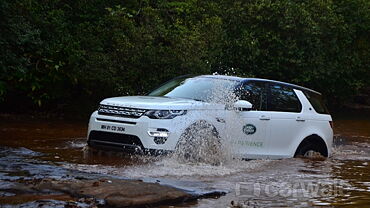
287, 119
248, 130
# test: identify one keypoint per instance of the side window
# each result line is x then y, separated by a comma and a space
255, 93
317, 102
283, 98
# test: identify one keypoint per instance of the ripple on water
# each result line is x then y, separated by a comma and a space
353, 151
77, 143
170, 167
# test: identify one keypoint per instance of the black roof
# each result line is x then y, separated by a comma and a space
240, 79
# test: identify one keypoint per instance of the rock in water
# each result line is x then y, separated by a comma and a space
118, 193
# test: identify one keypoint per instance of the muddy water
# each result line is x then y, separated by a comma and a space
32, 148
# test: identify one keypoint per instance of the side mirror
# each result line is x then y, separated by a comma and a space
243, 105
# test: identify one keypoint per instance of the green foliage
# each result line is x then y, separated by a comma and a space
56, 54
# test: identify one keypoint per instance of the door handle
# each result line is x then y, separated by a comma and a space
300, 118
264, 117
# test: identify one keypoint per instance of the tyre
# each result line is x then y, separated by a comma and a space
200, 143
311, 150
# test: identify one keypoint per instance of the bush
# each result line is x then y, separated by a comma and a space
61, 54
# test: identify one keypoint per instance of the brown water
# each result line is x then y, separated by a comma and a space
340, 181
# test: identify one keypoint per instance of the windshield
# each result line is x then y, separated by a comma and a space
207, 89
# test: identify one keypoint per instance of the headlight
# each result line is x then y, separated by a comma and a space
164, 114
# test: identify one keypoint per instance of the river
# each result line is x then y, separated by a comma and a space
58, 145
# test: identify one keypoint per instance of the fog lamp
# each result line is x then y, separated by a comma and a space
159, 133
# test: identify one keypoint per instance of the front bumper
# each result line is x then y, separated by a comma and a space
132, 133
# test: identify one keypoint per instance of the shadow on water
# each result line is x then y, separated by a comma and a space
35, 149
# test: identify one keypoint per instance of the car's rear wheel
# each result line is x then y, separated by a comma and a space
311, 148
199, 143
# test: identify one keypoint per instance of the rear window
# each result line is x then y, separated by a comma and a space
317, 102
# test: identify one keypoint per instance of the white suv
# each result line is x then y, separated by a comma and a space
257, 118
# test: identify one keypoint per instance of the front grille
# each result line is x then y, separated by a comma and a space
111, 110
114, 139
116, 121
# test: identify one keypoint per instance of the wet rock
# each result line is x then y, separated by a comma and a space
118, 193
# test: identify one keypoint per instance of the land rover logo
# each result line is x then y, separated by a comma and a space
249, 129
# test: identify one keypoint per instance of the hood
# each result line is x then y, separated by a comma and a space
159, 103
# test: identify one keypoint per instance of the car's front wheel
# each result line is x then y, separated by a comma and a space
200, 143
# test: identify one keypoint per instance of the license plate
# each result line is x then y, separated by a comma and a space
112, 128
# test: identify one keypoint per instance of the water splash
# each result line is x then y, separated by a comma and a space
77, 143
202, 142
